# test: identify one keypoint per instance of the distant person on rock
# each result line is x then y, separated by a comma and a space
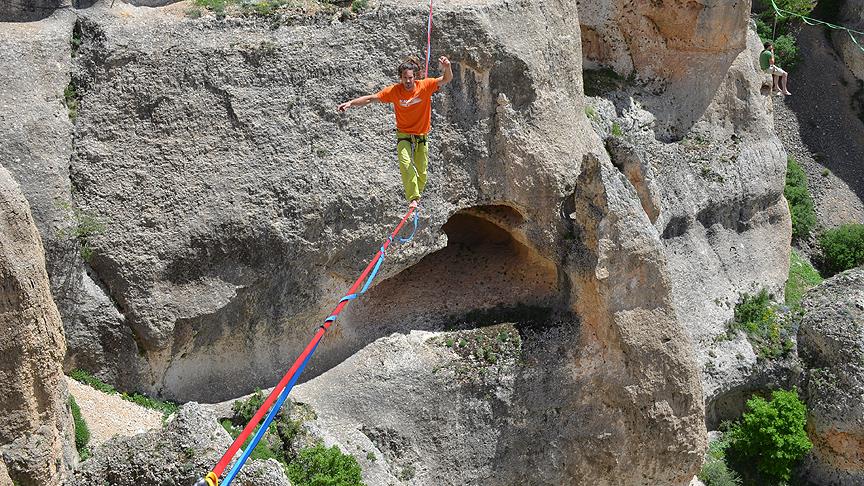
779, 77
412, 102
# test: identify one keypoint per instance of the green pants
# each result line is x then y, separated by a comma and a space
413, 175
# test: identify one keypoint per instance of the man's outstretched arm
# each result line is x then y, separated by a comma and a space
361, 101
448, 71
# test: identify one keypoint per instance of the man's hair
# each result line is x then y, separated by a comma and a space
412, 63
768, 44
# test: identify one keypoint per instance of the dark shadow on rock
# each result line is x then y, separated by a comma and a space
29, 10
826, 101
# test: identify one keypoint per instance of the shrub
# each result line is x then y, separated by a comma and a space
757, 317
616, 130
82, 432
802, 277
358, 6
770, 437
320, 466
70, 96
715, 471
799, 200
843, 248
786, 52
245, 409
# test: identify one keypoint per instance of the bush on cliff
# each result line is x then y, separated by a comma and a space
802, 277
799, 200
769, 334
842, 248
82, 432
715, 471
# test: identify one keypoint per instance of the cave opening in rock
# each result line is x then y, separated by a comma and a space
488, 272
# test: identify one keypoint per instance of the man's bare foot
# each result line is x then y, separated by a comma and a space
787, 93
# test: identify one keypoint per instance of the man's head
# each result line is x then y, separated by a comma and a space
769, 46
407, 72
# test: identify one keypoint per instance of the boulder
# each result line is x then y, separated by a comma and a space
189, 446
831, 345
680, 49
36, 440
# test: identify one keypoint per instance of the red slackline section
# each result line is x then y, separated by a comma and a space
268, 402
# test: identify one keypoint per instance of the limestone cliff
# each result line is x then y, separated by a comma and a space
235, 205
36, 441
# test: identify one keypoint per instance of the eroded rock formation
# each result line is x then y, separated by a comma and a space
189, 446
238, 205
681, 49
831, 344
35, 424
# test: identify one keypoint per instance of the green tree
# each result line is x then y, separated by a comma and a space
320, 466
770, 437
843, 248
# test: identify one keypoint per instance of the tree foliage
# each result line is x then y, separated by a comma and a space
799, 199
770, 437
843, 248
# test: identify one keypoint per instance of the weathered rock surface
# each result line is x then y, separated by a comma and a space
681, 49
239, 205
190, 445
36, 441
30, 10
851, 15
231, 227
831, 345
36, 148
717, 201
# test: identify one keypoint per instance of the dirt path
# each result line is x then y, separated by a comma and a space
109, 415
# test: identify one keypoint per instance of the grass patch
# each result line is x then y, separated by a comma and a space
757, 316
802, 277
82, 432
842, 248
616, 130
85, 226
799, 200
166, 407
358, 6
71, 100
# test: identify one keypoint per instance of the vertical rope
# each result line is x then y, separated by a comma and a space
428, 41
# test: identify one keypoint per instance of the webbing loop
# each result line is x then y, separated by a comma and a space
411, 236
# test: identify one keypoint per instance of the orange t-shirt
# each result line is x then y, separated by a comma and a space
413, 107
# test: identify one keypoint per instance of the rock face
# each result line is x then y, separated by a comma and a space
681, 49
36, 148
189, 446
239, 205
35, 424
851, 15
30, 10
831, 345
716, 198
